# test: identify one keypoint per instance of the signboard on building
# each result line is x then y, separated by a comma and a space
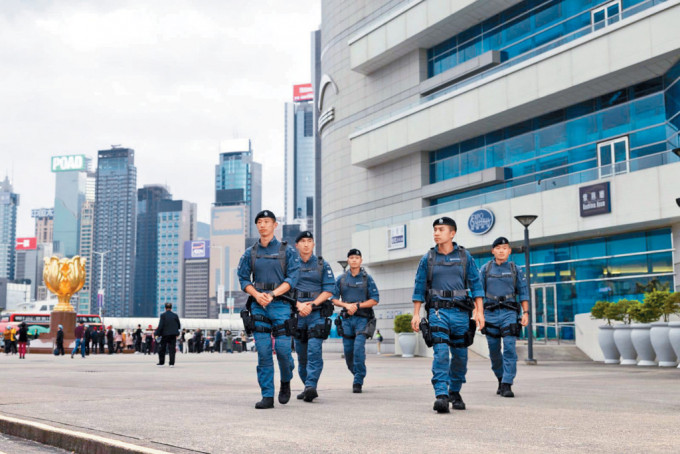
42, 213
595, 199
396, 237
68, 163
303, 92
198, 249
481, 221
27, 244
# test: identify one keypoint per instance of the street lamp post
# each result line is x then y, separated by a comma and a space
526, 221
343, 264
100, 292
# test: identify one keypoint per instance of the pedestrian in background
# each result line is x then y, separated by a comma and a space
80, 340
22, 336
168, 329
229, 339
60, 341
379, 340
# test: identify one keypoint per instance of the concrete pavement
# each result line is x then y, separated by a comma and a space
205, 404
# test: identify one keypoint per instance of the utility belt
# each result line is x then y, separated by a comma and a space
360, 312
513, 329
265, 286
287, 328
466, 304
501, 302
311, 295
369, 331
455, 341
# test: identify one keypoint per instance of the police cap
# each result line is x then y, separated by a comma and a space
305, 234
265, 214
354, 252
445, 221
500, 240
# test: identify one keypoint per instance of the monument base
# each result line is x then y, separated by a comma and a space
48, 341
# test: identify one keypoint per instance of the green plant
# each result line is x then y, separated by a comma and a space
402, 323
619, 311
664, 302
643, 313
600, 309
672, 305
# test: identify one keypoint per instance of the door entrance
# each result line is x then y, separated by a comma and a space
544, 316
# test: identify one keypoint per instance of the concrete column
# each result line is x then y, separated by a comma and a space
675, 232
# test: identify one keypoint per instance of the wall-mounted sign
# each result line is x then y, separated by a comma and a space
396, 237
42, 213
303, 92
26, 244
199, 249
595, 199
481, 221
68, 163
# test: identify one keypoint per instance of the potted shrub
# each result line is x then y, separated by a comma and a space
405, 335
643, 314
674, 327
619, 312
605, 334
660, 331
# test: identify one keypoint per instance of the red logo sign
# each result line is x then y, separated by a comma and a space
27, 244
303, 92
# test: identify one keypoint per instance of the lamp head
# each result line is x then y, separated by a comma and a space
678, 201
343, 263
526, 219
677, 152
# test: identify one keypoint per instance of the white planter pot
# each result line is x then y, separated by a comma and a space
625, 345
605, 336
658, 335
674, 337
642, 344
407, 342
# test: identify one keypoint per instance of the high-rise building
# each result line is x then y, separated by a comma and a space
115, 225
9, 201
316, 81
483, 111
44, 224
70, 194
196, 279
300, 159
86, 241
146, 269
176, 225
228, 242
238, 179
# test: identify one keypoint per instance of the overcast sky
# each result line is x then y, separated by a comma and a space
170, 79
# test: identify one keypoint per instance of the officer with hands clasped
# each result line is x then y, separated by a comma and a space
504, 285
267, 270
313, 291
358, 292
443, 278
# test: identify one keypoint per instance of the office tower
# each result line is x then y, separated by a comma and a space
86, 241
228, 242
176, 225
146, 268
238, 179
196, 279
114, 231
70, 194
44, 224
482, 111
9, 201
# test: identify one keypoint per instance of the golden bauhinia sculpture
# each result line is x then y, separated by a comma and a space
64, 277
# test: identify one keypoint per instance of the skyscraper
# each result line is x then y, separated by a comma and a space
176, 225
86, 238
238, 179
146, 268
69, 196
44, 224
300, 159
114, 230
9, 201
196, 282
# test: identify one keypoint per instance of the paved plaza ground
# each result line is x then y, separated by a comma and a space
205, 404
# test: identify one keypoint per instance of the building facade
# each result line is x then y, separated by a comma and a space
176, 225
238, 179
196, 279
85, 245
146, 268
483, 111
44, 224
115, 222
9, 201
70, 193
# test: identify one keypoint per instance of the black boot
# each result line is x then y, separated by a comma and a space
310, 394
441, 405
356, 388
456, 401
301, 395
284, 392
266, 402
498, 391
506, 390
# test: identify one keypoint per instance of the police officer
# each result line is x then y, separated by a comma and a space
359, 294
504, 284
267, 270
314, 288
443, 277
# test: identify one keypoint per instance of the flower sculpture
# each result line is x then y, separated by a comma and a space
64, 277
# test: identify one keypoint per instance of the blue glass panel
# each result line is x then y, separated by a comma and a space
659, 240
626, 244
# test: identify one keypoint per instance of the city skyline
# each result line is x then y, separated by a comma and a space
78, 79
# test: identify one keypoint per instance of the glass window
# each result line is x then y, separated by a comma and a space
613, 157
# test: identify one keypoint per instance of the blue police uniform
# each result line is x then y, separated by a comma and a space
501, 285
314, 278
355, 289
448, 373
268, 274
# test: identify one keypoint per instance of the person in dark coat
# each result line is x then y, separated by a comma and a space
198, 341
22, 337
60, 341
88, 339
109, 339
168, 329
101, 337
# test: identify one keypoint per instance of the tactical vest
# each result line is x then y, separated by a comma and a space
283, 261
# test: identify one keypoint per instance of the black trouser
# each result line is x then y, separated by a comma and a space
167, 343
60, 348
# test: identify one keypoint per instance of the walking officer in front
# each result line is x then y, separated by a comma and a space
504, 285
358, 292
314, 288
267, 270
446, 276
